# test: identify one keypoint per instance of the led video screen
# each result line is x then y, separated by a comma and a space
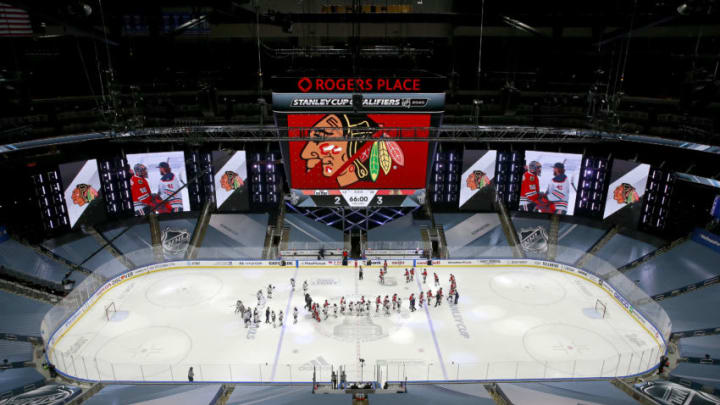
549, 183
231, 189
379, 164
82, 190
156, 177
478, 173
627, 185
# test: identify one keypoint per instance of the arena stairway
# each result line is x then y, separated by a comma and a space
566, 393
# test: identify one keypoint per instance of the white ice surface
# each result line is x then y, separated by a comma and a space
510, 323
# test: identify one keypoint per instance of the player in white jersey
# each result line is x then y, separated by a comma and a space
168, 188
558, 191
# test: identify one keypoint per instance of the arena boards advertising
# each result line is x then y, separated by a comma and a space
81, 181
549, 184
478, 173
231, 179
154, 178
627, 186
52, 336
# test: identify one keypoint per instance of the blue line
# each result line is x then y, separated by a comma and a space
432, 330
282, 332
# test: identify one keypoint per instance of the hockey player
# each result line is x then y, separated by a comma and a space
256, 316
335, 309
270, 289
387, 308
452, 278
437, 280
386, 302
394, 301
382, 277
280, 317
342, 300
259, 296
530, 187
412, 302
421, 298
246, 317
377, 304
267, 315
140, 190
385, 266
292, 284
350, 307
342, 309
326, 304
272, 315
325, 313
239, 307
399, 304
407, 276
412, 274
367, 306
429, 297
424, 274
295, 314
305, 286
438, 297
168, 189
558, 191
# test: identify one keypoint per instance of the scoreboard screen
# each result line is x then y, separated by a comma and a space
366, 147
346, 164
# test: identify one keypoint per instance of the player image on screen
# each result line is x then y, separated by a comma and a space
82, 189
155, 181
343, 163
550, 191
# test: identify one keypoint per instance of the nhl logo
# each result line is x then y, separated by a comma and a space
406, 102
534, 240
175, 242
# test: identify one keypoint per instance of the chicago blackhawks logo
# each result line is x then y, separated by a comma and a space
231, 181
477, 180
351, 161
83, 194
625, 194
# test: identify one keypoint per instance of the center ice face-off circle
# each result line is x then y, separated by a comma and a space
183, 290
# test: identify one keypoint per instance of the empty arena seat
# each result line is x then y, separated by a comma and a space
304, 229
234, 236
566, 393
622, 249
18, 378
21, 258
685, 264
576, 239
21, 315
154, 394
701, 373
15, 350
699, 346
694, 310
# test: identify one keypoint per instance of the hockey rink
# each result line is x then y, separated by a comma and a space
510, 323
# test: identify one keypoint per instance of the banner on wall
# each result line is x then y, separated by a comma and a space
627, 185
231, 180
707, 238
478, 174
82, 189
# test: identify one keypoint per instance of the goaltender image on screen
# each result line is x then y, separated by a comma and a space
478, 173
82, 189
627, 185
378, 164
549, 184
156, 177
230, 170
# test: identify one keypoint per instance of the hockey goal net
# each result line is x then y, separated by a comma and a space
110, 311
600, 308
